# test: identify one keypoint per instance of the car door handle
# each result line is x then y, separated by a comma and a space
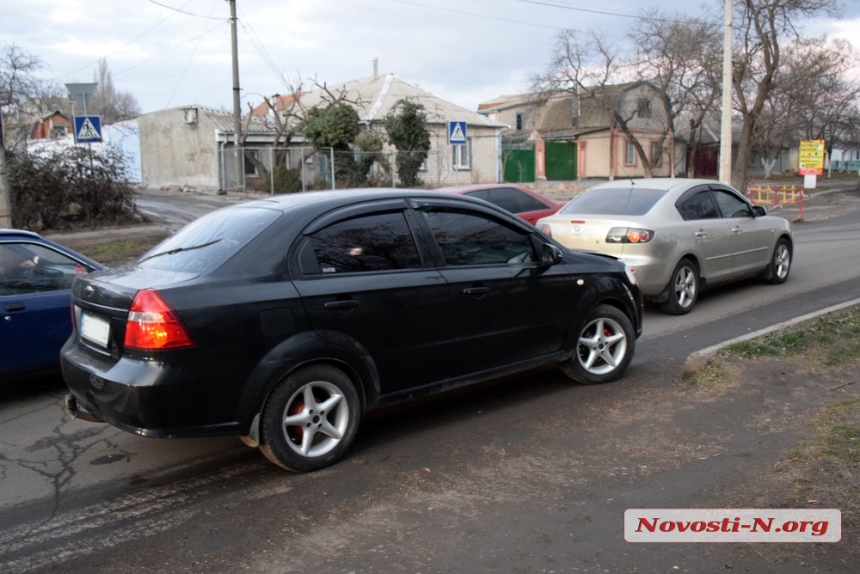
737, 230
476, 291
16, 307
344, 305
700, 234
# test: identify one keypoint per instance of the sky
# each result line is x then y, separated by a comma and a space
176, 53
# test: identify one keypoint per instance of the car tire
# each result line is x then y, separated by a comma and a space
304, 438
604, 347
683, 289
780, 263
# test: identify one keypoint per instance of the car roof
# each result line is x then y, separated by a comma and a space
477, 186
7, 232
338, 198
666, 183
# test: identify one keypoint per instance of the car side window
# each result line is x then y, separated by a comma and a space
515, 200
698, 206
731, 205
373, 242
27, 268
467, 238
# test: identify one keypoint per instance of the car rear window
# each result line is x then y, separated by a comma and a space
614, 201
206, 243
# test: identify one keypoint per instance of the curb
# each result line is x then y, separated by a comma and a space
702, 358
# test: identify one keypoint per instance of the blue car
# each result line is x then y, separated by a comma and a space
35, 316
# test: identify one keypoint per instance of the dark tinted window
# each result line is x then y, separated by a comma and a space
510, 199
375, 242
698, 206
615, 201
33, 268
472, 239
205, 244
732, 205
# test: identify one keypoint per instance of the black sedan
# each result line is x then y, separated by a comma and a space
284, 320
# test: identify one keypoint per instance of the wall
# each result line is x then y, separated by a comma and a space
485, 161
176, 153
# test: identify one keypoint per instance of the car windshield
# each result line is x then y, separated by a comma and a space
614, 201
205, 244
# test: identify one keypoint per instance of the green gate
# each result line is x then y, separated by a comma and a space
518, 161
560, 161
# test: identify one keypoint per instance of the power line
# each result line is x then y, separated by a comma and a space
602, 12
194, 53
485, 16
181, 11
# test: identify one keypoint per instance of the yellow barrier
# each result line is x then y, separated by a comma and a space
777, 195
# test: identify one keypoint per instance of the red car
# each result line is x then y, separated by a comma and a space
519, 200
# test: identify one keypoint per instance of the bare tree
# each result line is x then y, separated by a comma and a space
111, 104
681, 58
284, 116
670, 63
762, 29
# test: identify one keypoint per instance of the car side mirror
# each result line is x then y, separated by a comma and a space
759, 211
550, 255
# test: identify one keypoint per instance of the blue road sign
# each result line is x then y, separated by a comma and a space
88, 129
456, 133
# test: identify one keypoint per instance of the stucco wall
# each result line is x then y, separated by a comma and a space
176, 153
484, 161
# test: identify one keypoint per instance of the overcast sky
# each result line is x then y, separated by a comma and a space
171, 53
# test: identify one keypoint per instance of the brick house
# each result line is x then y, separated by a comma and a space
52, 126
569, 137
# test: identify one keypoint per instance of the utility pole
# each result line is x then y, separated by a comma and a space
237, 106
5, 203
726, 121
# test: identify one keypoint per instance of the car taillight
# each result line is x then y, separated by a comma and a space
153, 325
629, 235
545, 229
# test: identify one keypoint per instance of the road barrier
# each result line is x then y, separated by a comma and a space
777, 196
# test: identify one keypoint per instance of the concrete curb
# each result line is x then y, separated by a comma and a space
703, 357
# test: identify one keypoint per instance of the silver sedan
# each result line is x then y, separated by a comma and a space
678, 235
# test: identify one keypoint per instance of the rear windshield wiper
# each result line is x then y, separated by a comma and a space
179, 250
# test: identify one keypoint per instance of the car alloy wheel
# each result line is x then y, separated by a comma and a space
683, 289
604, 347
780, 263
310, 419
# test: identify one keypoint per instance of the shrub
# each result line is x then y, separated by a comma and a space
70, 187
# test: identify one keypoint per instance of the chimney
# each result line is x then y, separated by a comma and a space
376, 68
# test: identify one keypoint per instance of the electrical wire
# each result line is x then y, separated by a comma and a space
193, 53
181, 11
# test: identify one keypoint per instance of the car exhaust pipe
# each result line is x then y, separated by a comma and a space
70, 405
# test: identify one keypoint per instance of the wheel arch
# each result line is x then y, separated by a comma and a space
298, 352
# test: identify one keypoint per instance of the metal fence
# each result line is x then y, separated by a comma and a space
296, 169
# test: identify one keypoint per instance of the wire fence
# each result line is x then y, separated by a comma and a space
297, 169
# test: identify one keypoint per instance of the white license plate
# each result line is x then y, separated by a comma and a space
95, 330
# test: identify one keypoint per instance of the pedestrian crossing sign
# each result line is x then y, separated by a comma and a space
88, 129
456, 133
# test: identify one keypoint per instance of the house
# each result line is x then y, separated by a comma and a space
194, 146
51, 126
572, 136
476, 161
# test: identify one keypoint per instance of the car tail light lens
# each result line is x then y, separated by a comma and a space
629, 235
153, 325
545, 229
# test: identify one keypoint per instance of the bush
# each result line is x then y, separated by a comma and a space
286, 180
70, 187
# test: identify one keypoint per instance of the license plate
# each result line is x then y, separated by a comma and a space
95, 330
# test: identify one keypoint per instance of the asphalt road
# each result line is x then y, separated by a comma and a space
527, 475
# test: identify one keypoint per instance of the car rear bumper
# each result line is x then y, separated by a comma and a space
652, 273
147, 398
